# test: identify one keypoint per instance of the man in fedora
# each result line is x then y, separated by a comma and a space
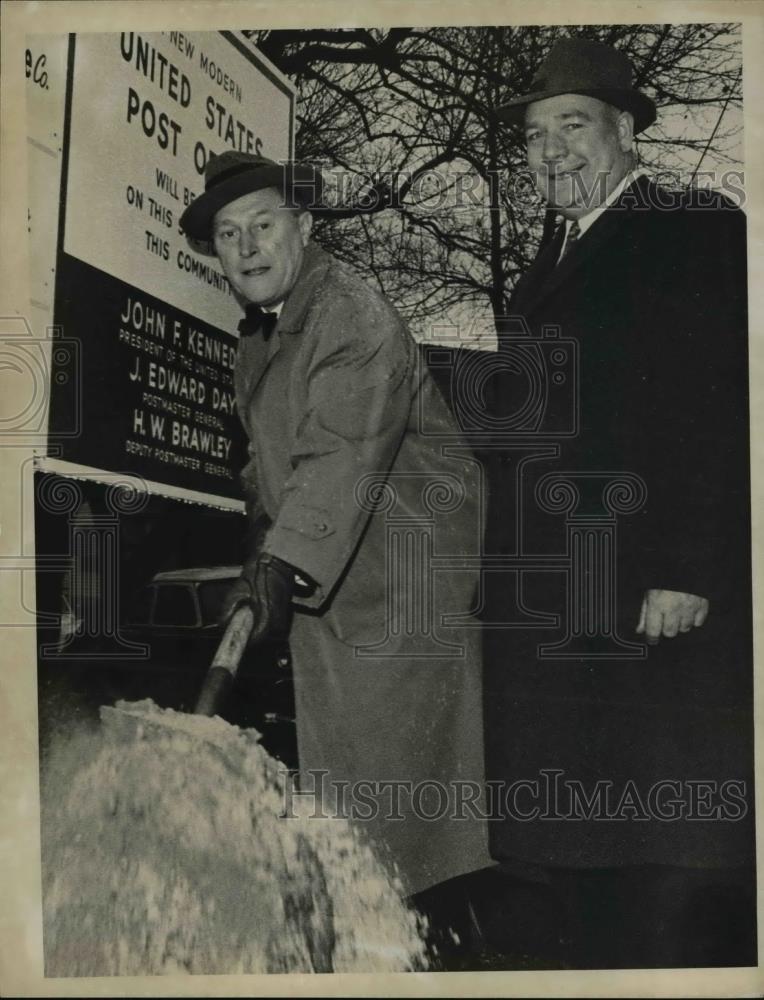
625, 728
388, 708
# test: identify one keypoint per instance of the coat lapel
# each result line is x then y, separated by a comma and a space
540, 269
255, 355
544, 280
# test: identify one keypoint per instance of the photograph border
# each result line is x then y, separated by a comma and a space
21, 916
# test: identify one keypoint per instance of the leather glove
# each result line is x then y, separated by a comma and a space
267, 585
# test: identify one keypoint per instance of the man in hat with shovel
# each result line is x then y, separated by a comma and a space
627, 727
347, 498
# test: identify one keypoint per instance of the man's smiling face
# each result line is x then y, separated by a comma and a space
579, 150
260, 245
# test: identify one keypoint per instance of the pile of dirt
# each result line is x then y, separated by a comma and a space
166, 849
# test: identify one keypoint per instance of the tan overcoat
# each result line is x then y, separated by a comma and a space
373, 493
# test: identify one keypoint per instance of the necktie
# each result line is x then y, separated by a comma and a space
573, 234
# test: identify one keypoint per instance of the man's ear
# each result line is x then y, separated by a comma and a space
625, 127
305, 222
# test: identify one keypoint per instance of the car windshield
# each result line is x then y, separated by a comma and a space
211, 594
175, 605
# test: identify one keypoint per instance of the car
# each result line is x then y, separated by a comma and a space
164, 646
177, 614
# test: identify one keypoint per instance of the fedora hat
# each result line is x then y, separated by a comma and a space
581, 66
233, 174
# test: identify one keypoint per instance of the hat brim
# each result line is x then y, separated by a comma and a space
639, 104
300, 183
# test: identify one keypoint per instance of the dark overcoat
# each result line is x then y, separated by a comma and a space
654, 296
373, 493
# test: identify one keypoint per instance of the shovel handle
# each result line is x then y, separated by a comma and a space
225, 665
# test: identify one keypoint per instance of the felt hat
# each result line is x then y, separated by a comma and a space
582, 66
233, 174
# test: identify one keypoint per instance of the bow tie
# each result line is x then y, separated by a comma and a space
258, 320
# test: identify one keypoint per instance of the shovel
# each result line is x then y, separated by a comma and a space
225, 665
121, 719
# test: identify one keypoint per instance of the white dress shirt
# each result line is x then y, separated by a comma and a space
586, 220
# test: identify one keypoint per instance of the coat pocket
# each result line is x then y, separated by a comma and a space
357, 613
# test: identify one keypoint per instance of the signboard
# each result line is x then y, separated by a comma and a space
155, 320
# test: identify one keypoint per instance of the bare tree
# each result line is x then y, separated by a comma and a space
429, 197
